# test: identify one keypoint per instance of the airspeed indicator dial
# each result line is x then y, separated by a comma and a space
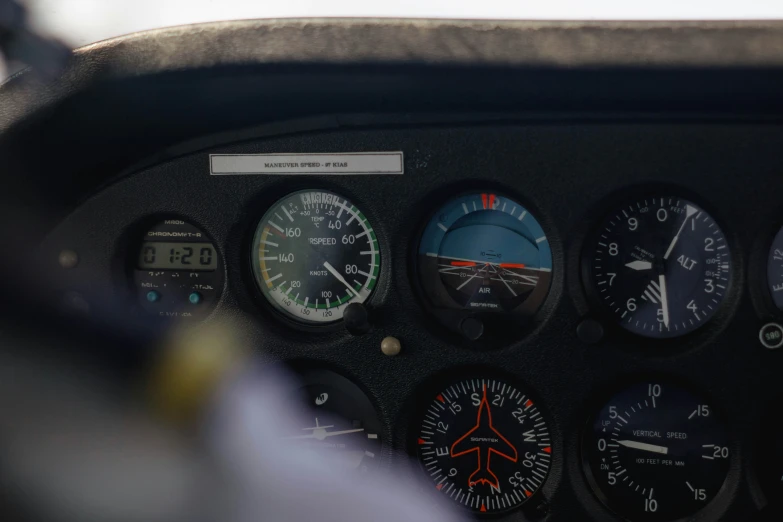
660, 265
313, 254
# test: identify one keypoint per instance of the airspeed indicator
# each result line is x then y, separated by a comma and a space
313, 254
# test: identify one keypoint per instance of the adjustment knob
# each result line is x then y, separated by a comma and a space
356, 319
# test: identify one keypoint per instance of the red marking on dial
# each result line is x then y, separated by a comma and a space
491, 201
463, 263
528, 494
483, 508
547, 450
529, 403
440, 398
512, 265
439, 487
422, 441
484, 201
484, 430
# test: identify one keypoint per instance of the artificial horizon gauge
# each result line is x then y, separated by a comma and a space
485, 444
339, 423
660, 265
656, 451
313, 254
177, 271
484, 253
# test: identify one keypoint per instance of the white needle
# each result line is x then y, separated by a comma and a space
321, 435
340, 278
663, 450
639, 265
467, 281
453, 269
689, 211
664, 300
505, 282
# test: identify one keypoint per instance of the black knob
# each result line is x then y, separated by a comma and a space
590, 331
356, 319
471, 328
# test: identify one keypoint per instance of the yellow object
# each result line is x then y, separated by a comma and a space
192, 364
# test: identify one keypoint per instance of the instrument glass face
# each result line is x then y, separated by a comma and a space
656, 451
313, 254
660, 265
485, 444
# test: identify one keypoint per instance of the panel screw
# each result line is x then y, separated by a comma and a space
391, 346
68, 259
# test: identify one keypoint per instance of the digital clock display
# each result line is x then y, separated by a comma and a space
177, 256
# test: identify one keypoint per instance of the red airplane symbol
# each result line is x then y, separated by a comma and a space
494, 443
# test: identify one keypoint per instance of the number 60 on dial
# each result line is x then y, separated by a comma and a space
313, 254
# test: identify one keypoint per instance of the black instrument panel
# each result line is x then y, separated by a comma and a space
571, 176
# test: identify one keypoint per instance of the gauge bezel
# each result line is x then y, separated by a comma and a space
265, 201
285, 374
758, 279
615, 333
307, 370
720, 502
501, 330
278, 301
126, 257
435, 384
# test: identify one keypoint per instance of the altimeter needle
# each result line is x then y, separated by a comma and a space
639, 265
664, 299
689, 211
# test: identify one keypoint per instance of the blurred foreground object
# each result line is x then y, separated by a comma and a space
18, 43
83, 443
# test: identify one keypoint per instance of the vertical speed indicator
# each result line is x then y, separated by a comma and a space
313, 254
656, 451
